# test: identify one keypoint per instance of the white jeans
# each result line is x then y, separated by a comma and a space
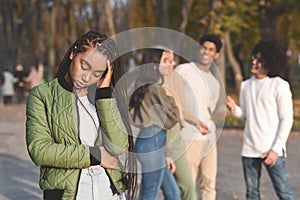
94, 184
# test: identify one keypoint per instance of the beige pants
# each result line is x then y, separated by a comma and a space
205, 168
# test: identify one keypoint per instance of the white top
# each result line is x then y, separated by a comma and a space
203, 98
267, 107
93, 181
88, 133
8, 86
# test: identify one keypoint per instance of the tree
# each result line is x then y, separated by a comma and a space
110, 20
186, 7
233, 17
142, 13
8, 49
163, 13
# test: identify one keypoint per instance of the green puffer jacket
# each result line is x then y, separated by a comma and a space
53, 141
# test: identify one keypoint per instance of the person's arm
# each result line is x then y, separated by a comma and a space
170, 110
285, 112
237, 111
15, 79
179, 91
28, 78
42, 148
179, 77
115, 136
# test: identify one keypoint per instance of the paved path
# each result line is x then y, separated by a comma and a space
19, 176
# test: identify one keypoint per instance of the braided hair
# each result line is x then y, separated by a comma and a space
89, 40
108, 47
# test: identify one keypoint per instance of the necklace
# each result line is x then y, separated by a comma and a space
86, 111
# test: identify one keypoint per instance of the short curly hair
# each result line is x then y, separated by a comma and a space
211, 38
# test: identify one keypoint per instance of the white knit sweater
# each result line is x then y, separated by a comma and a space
202, 92
267, 108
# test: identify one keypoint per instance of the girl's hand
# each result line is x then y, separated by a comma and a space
230, 103
171, 165
108, 161
105, 82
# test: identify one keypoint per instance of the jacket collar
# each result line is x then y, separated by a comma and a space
67, 86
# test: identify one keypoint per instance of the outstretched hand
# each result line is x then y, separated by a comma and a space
230, 103
105, 82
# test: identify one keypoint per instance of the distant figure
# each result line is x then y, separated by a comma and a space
20, 85
8, 86
34, 77
1, 85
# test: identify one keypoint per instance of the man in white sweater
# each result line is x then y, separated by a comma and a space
267, 108
201, 149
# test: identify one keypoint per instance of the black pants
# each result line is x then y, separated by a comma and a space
7, 100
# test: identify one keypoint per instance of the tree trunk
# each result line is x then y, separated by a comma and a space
97, 15
187, 4
233, 62
4, 40
221, 64
110, 19
39, 49
51, 46
8, 51
268, 18
163, 13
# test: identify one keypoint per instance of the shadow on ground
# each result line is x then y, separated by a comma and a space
19, 178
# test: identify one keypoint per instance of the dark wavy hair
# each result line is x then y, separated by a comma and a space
149, 74
212, 38
273, 57
108, 47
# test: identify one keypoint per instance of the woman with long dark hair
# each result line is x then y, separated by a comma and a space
75, 142
153, 112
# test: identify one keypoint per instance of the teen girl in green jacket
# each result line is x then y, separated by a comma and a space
77, 156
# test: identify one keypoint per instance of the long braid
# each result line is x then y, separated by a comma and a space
131, 162
121, 96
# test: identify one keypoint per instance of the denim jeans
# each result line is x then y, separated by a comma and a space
155, 174
94, 184
277, 173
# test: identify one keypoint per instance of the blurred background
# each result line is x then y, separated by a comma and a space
38, 32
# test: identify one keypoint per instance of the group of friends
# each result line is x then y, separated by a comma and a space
161, 126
